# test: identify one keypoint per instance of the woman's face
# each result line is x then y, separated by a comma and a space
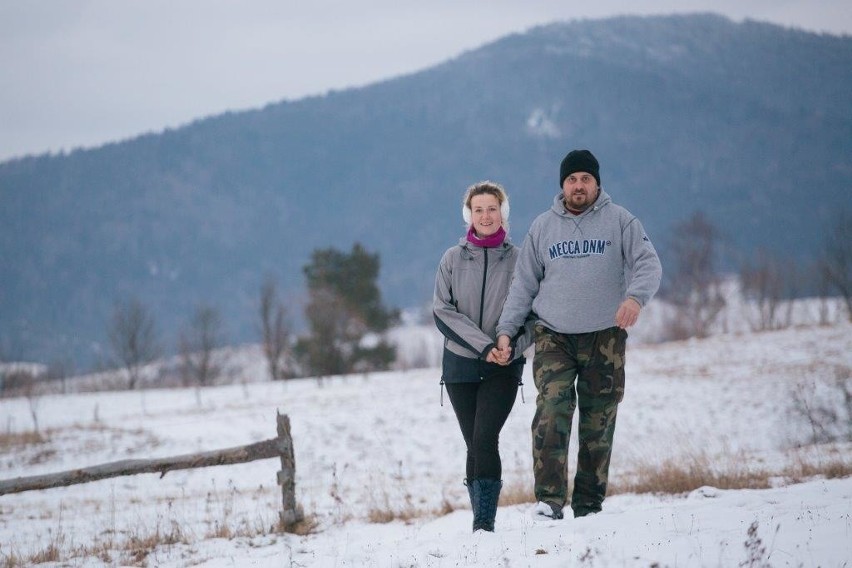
485, 215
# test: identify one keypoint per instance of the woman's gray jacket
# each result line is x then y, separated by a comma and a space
470, 287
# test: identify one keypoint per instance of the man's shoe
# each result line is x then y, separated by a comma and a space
547, 510
585, 511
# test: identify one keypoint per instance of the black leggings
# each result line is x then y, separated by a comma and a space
482, 408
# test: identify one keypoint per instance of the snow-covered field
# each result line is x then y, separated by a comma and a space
382, 445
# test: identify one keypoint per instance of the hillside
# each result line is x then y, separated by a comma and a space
379, 464
748, 122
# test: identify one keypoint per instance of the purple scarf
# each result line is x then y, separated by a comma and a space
493, 241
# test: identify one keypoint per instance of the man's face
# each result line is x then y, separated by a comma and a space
580, 190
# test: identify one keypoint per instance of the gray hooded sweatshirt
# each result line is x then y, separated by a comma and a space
575, 270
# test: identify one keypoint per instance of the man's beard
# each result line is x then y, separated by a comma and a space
587, 201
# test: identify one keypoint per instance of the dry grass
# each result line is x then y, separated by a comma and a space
40, 446
138, 547
49, 554
445, 509
227, 524
308, 525
245, 528
694, 470
220, 530
384, 513
14, 440
697, 469
388, 502
381, 511
407, 514
674, 476
12, 560
133, 551
830, 467
516, 493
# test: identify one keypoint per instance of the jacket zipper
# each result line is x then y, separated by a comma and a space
482, 293
482, 304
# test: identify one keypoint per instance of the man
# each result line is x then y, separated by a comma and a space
586, 270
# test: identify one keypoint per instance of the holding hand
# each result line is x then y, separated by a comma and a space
494, 356
504, 350
499, 357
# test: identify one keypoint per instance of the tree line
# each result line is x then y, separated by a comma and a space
696, 280
347, 319
345, 315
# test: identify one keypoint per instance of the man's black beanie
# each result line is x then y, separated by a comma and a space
579, 161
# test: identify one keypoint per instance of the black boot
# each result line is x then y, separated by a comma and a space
469, 484
486, 494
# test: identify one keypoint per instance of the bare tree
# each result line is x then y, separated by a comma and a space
823, 290
33, 394
763, 283
275, 331
25, 381
133, 338
695, 288
836, 260
197, 345
11, 350
59, 370
825, 403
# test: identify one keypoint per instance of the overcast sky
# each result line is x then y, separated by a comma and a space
78, 73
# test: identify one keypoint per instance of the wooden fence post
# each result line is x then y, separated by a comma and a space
290, 513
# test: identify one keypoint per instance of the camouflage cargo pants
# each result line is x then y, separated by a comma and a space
570, 370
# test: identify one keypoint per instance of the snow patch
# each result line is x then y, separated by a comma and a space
541, 124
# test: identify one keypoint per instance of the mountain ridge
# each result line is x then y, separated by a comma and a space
684, 112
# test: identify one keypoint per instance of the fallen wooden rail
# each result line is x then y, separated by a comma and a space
261, 450
281, 446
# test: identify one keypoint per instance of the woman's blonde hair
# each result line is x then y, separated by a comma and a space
489, 188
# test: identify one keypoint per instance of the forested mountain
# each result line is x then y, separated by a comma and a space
748, 122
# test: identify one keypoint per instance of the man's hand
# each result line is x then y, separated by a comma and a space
627, 314
504, 349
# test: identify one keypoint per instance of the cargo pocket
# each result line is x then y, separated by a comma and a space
605, 374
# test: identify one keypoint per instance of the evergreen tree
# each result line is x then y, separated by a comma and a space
345, 314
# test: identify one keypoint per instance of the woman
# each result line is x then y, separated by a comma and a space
470, 287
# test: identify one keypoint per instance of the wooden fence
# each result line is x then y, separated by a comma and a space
280, 446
